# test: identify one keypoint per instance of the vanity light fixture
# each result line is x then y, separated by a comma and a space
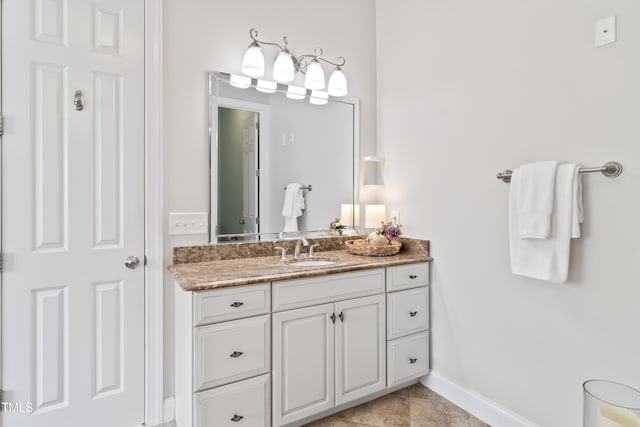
286, 66
296, 92
266, 86
241, 82
319, 97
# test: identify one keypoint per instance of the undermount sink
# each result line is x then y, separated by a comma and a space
311, 262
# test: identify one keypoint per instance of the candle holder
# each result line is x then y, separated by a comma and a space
610, 404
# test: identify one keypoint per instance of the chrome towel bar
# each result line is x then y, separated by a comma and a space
304, 187
610, 169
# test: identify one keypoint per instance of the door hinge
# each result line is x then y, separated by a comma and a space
258, 220
1, 125
1, 262
258, 173
145, 260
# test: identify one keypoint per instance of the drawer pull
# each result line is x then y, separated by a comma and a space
236, 354
413, 360
413, 313
341, 316
237, 304
237, 418
413, 276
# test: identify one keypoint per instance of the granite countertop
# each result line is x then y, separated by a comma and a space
221, 273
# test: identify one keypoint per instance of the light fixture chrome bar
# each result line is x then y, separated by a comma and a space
298, 61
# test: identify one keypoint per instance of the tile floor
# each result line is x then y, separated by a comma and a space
414, 406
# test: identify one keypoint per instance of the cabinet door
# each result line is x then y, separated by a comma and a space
303, 363
360, 348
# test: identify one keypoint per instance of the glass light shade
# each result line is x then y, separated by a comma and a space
374, 216
266, 86
319, 97
314, 79
253, 61
241, 82
296, 92
337, 83
283, 69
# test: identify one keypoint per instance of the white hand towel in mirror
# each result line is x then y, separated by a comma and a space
534, 185
292, 206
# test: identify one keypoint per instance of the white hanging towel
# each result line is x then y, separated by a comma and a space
534, 183
548, 259
292, 206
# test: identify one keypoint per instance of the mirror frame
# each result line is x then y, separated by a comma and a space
214, 78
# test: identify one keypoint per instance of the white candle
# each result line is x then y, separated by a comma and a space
613, 416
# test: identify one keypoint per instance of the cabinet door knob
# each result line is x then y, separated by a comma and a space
237, 418
413, 360
413, 276
341, 316
333, 318
237, 304
236, 354
413, 313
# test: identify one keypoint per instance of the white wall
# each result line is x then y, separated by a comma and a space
467, 89
202, 35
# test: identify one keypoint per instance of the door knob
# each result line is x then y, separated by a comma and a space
131, 262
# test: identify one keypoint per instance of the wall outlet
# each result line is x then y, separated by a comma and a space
188, 223
606, 31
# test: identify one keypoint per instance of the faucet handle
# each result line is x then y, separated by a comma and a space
283, 252
312, 249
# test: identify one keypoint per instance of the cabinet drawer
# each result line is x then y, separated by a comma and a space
407, 358
407, 312
407, 276
298, 293
219, 305
231, 351
246, 403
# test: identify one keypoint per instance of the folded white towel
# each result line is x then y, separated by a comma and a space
578, 214
292, 206
548, 259
534, 185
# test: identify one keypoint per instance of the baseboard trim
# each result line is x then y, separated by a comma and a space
477, 405
169, 409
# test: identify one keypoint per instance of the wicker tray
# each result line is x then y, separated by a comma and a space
362, 247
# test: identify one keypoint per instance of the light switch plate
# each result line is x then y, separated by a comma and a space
181, 223
606, 31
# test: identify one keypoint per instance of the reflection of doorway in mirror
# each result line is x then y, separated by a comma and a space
238, 132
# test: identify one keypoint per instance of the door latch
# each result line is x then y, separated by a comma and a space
78, 101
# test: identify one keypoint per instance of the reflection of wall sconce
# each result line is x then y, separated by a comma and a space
374, 215
348, 216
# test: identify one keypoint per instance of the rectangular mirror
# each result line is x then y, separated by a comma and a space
261, 143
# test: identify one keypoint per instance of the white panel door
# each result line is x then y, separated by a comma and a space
360, 348
249, 173
72, 211
303, 363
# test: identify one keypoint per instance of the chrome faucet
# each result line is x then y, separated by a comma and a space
296, 251
312, 248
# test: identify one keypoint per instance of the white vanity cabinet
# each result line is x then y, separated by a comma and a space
327, 355
223, 357
407, 322
285, 352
